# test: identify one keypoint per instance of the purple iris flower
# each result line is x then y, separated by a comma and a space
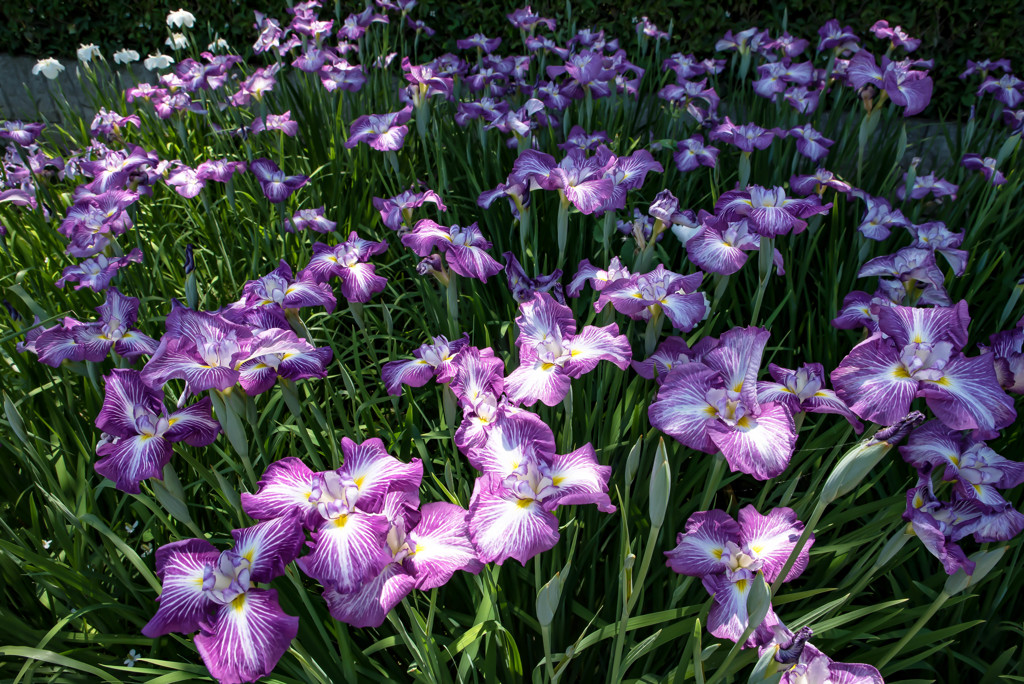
55, 344
276, 122
805, 664
803, 391
524, 287
349, 541
258, 83
463, 247
276, 186
816, 183
586, 71
599, 278
746, 137
478, 41
525, 19
92, 220
580, 180
909, 89
382, 132
802, 99
649, 295
1006, 348
396, 211
984, 66
280, 288
686, 67
940, 525
790, 46
713, 406
925, 185
740, 42
208, 351
692, 153
671, 352
243, 631
426, 82
186, 181
910, 273
579, 139
987, 165
419, 25
688, 94
219, 170
96, 273
810, 143
488, 108
355, 25
769, 212
113, 331
23, 134
895, 34
879, 218
145, 91
348, 261
1008, 89
109, 124
551, 352
935, 236
511, 512
423, 549
139, 431
433, 360
769, 82
648, 28
313, 219
340, 75
727, 555
920, 356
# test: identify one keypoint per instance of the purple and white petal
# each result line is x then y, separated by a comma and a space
369, 605
699, 549
772, 537
441, 545
180, 566
503, 526
270, 546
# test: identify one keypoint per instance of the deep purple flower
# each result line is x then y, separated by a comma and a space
597, 277
1008, 89
95, 273
925, 185
551, 352
433, 360
242, 630
803, 390
728, 556
139, 431
313, 219
920, 356
769, 212
895, 34
340, 75
523, 482
646, 296
23, 134
746, 137
692, 152
984, 66
464, 248
425, 81
396, 211
713, 406
525, 19
281, 289
524, 287
113, 331
579, 139
802, 99
817, 182
909, 273
109, 124
478, 41
382, 132
348, 261
1006, 348
810, 143
276, 186
805, 664
276, 122
987, 165
879, 218
219, 170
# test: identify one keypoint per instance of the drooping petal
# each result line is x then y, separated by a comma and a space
247, 637
270, 546
285, 486
411, 372
578, 479
441, 545
728, 618
502, 526
347, 551
376, 472
537, 380
968, 395
699, 550
130, 460
369, 605
193, 424
772, 537
760, 446
874, 383
514, 437
738, 359
183, 605
593, 345
682, 410
124, 391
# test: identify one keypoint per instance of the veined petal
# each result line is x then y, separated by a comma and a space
130, 460
470, 261
772, 537
968, 395
369, 605
594, 345
590, 195
502, 526
175, 359
285, 486
908, 325
347, 551
760, 446
411, 372
183, 605
709, 251
247, 637
123, 392
578, 479
685, 311
681, 409
699, 550
426, 236
729, 617
359, 282
441, 545
515, 436
536, 380
541, 318
873, 382
738, 359
193, 424
134, 344
270, 546
826, 401
376, 472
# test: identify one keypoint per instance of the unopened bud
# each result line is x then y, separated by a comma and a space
547, 600
661, 485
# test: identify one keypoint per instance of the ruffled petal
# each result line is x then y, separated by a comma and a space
772, 537
441, 545
502, 526
699, 550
